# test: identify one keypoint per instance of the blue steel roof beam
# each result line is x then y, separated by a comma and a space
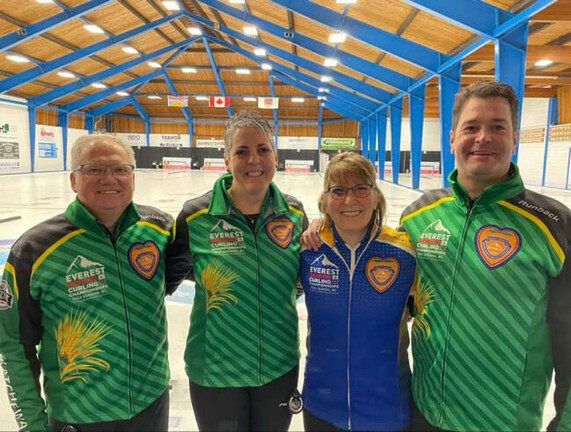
107, 108
216, 74
373, 70
95, 97
140, 109
47, 24
405, 49
473, 15
38, 71
56, 93
350, 98
273, 93
173, 90
365, 89
355, 111
341, 111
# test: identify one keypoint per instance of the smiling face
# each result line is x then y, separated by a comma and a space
350, 215
106, 197
483, 143
251, 160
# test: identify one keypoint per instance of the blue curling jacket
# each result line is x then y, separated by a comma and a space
357, 375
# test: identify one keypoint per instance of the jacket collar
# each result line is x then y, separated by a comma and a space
221, 203
329, 235
508, 188
78, 215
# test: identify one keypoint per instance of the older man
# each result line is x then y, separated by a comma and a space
87, 286
493, 306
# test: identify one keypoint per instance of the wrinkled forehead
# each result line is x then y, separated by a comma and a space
104, 150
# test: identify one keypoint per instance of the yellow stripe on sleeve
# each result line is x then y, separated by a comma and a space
428, 207
54, 247
541, 226
10, 269
196, 214
155, 227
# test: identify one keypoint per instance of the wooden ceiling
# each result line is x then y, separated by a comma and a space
289, 38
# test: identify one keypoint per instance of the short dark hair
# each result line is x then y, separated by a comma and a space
485, 89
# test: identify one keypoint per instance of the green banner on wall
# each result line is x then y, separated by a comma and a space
337, 143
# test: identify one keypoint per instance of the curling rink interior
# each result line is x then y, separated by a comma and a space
32, 198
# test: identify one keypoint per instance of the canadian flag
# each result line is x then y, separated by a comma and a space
219, 101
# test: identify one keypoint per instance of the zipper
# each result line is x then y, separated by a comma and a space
457, 259
349, 339
127, 325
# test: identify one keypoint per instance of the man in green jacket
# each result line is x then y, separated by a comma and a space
493, 305
87, 287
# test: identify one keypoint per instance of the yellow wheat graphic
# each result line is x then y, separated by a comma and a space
216, 281
423, 296
78, 342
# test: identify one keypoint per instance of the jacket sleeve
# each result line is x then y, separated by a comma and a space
559, 321
179, 261
20, 333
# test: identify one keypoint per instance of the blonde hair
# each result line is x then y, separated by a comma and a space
351, 165
82, 143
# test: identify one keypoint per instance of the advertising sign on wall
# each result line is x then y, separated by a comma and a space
170, 140
337, 143
176, 163
49, 148
14, 137
212, 143
294, 143
296, 165
214, 164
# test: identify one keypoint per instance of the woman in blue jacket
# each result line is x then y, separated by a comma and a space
356, 285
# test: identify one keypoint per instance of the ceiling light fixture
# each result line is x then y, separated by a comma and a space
129, 50
250, 99
260, 52
17, 58
330, 62
99, 85
189, 70
337, 37
201, 98
195, 31
346, 1
122, 93
544, 63
154, 97
238, 1
243, 71
298, 99
66, 74
250, 31
154, 64
93, 28
266, 66
325, 78
45, 1
171, 5
321, 98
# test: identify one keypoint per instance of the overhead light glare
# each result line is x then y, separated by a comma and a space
250, 31
66, 74
154, 97
189, 70
122, 93
322, 98
543, 63
45, 1
17, 58
298, 99
243, 71
323, 90
129, 50
154, 65
93, 28
195, 31
346, 1
250, 99
337, 37
266, 66
325, 78
237, 1
201, 98
330, 62
260, 52
171, 5
99, 85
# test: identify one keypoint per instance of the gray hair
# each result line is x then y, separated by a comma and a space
82, 143
245, 119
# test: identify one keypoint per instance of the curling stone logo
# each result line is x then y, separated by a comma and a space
433, 241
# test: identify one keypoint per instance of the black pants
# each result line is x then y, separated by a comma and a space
419, 423
154, 418
263, 408
315, 424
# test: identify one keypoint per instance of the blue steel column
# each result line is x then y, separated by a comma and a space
275, 113
32, 127
510, 53
62, 121
108, 123
365, 139
372, 140
148, 131
381, 142
396, 120
191, 130
449, 86
319, 125
88, 122
551, 119
416, 114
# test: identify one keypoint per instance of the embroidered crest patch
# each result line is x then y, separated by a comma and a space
382, 272
144, 258
495, 245
6, 296
280, 231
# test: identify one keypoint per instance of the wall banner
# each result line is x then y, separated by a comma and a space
133, 139
295, 143
49, 148
170, 140
14, 137
337, 143
211, 143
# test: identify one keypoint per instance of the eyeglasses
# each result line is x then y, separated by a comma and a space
118, 170
340, 192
